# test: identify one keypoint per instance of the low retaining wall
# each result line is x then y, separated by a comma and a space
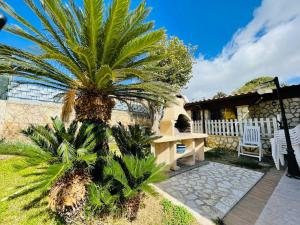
219, 141
17, 115
231, 142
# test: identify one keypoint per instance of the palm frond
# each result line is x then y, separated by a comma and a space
113, 28
104, 76
66, 152
68, 104
138, 46
94, 17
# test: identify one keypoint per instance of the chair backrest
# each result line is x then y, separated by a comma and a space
251, 135
279, 135
295, 135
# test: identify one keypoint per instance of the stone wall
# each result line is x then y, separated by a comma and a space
231, 142
18, 115
271, 109
242, 112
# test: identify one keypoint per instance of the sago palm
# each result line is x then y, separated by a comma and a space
93, 55
64, 159
134, 140
131, 176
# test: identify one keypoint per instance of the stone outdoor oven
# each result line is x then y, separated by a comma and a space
175, 119
177, 142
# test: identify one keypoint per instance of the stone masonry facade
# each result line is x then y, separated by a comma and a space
271, 109
17, 115
266, 109
218, 141
231, 142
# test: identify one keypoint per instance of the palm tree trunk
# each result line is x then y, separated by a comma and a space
93, 107
132, 206
68, 195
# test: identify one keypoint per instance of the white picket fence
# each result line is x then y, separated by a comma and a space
236, 127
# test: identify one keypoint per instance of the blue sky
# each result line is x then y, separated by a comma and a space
231, 44
209, 24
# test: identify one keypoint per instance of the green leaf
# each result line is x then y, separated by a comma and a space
104, 77
113, 28
94, 16
66, 152
138, 46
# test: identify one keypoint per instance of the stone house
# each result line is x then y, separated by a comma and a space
246, 106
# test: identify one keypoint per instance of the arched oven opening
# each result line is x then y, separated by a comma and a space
183, 124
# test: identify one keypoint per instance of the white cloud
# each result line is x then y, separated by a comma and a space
268, 45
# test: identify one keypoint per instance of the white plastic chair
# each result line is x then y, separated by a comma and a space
251, 139
278, 145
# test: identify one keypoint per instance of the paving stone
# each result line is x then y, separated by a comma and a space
212, 189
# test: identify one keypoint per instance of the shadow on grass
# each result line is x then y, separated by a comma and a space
227, 156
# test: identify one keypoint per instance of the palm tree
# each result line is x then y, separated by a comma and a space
63, 160
134, 176
92, 56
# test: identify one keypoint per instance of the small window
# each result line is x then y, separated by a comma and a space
217, 114
196, 115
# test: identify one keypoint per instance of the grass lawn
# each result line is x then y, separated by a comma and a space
230, 157
154, 210
12, 211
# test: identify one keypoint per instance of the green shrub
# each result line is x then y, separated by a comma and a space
50, 139
129, 177
15, 148
175, 215
134, 140
216, 153
64, 157
100, 199
248, 163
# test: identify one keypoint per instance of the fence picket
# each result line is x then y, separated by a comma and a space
269, 133
235, 127
262, 127
240, 128
227, 128
219, 126
256, 122
231, 128
223, 128
274, 121
250, 122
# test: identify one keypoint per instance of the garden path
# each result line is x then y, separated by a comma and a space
213, 189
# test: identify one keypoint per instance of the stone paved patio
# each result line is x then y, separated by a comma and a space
213, 189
